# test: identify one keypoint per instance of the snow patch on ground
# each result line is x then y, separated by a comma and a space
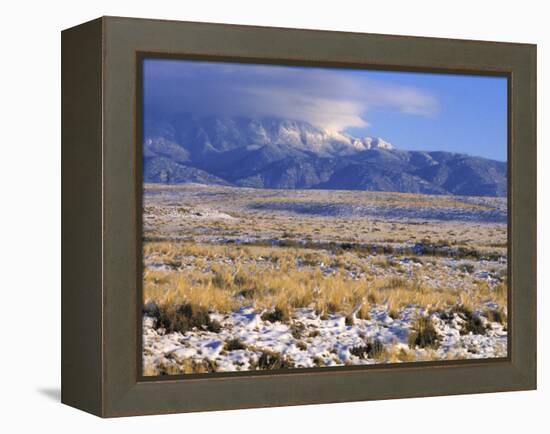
309, 341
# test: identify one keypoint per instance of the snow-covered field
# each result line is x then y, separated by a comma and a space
239, 279
309, 341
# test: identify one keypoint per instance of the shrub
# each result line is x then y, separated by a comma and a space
495, 315
275, 315
331, 307
338, 263
396, 282
222, 280
372, 298
296, 329
472, 323
363, 313
214, 326
168, 368
318, 361
185, 317
309, 259
272, 360
424, 334
375, 349
187, 366
242, 279
462, 311
358, 351
467, 268
234, 344
372, 350
301, 345
394, 313
247, 293
152, 310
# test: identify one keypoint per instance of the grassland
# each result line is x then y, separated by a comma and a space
240, 279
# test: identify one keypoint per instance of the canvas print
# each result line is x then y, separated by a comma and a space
311, 217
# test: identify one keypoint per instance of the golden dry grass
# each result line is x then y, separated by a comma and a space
224, 278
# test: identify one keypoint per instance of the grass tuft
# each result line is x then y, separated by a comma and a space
372, 350
495, 315
276, 315
273, 360
234, 344
424, 334
472, 322
184, 317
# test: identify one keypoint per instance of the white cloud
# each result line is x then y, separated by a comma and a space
331, 98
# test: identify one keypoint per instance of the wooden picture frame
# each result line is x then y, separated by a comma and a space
101, 216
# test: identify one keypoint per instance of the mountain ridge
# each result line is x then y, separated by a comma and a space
282, 153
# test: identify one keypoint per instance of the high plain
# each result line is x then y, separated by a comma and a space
240, 279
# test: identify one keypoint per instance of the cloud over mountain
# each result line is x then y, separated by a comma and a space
329, 98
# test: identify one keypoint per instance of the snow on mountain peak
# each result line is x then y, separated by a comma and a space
377, 143
225, 133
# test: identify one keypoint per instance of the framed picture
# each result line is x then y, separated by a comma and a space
260, 216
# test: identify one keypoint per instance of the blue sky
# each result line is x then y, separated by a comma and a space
420, 111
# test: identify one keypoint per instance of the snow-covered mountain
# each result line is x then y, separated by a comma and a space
219, 134
283, 153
